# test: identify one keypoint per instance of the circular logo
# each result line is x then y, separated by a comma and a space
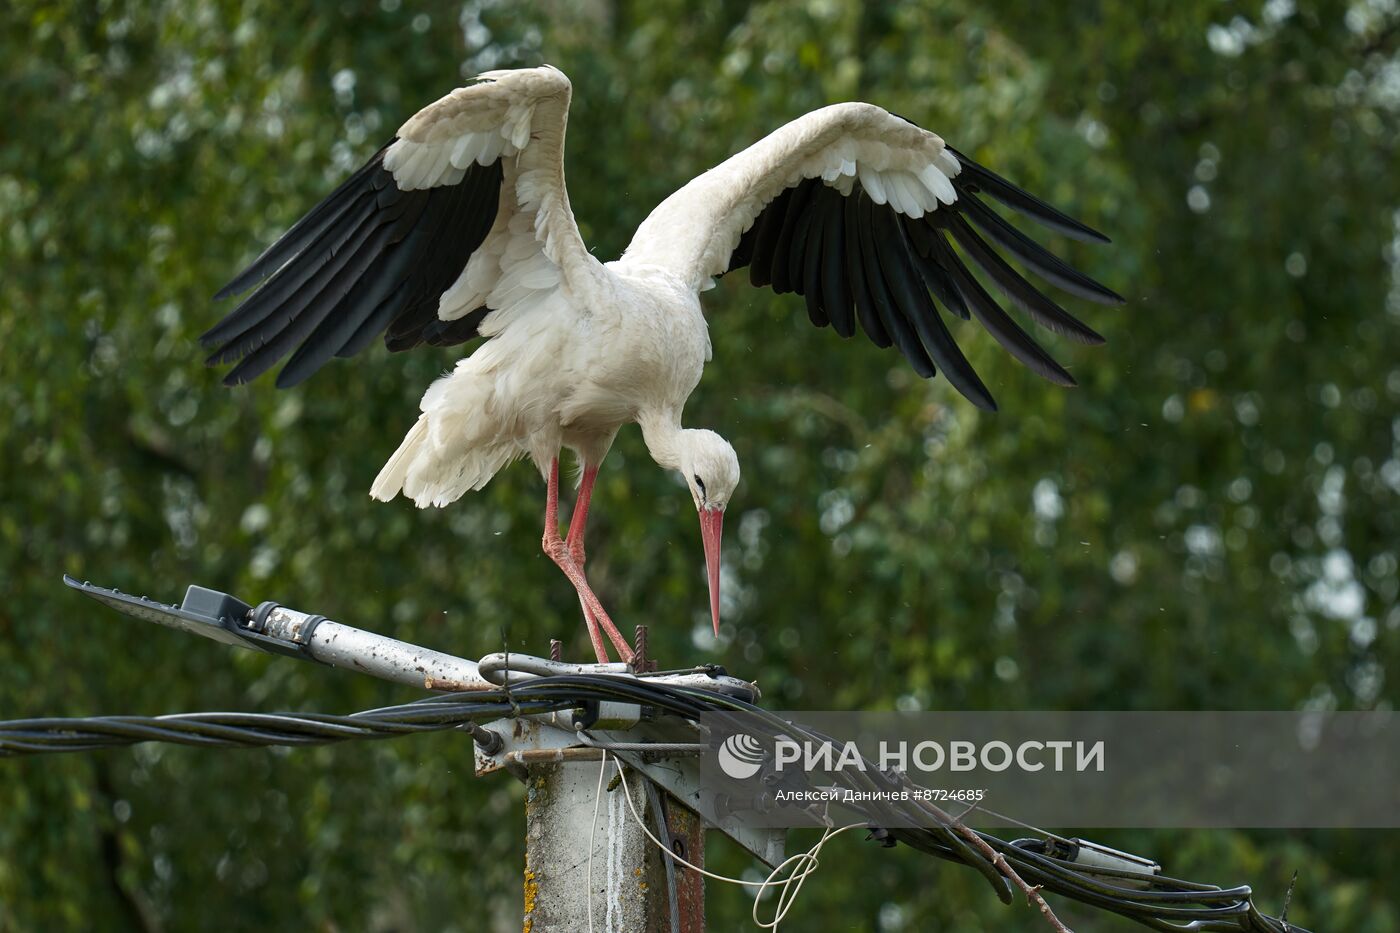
740, 756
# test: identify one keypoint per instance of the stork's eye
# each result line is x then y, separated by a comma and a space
699, 483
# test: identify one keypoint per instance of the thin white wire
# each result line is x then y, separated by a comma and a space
592, 828
788, 887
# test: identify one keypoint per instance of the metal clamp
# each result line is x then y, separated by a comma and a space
503, 668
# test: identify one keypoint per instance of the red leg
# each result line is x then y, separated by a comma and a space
578, 525
559, 551
578, 522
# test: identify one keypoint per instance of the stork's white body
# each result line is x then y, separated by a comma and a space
579, 348
569, 371
461, 227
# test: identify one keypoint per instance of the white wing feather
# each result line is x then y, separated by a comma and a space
693, 232
534, 246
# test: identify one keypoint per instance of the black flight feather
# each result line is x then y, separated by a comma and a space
292, 276
369, 258
450, 333
743, 253
303, 311
289, 244
908, 290
1025, 295
1020, 200
379, 278
338, 331
797, 243
838, 288
284, 298
997, 322
893, 318
1036, 257
440, 227
861, 273
812, 261
921, 237
770, 226
782, 272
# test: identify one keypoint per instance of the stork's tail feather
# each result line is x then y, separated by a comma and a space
391, 478
433, 473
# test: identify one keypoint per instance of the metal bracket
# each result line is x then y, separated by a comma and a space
552, 737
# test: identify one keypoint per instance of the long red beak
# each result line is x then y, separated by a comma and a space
711, 528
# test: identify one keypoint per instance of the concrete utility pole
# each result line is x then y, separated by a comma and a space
635, 887
631, 891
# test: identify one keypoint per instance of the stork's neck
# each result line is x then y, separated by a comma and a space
662, 432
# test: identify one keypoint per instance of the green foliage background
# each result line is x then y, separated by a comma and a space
1210, 522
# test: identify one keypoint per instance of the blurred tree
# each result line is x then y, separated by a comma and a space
1210, 522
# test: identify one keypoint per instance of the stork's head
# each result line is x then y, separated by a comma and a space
711, 470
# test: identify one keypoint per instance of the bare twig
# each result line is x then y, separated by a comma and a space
1287, 900
1031, 891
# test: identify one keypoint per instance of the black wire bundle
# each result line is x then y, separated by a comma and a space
1155, 901
250, 730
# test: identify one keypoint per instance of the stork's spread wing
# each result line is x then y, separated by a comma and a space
853, 208
462, 214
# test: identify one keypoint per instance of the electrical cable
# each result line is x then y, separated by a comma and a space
593, 828
673, 894
1155, 901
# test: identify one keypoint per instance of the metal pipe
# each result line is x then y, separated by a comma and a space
531, 756
277, 629
390, 659
356, 649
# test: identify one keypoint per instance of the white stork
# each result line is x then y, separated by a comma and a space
460, 227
